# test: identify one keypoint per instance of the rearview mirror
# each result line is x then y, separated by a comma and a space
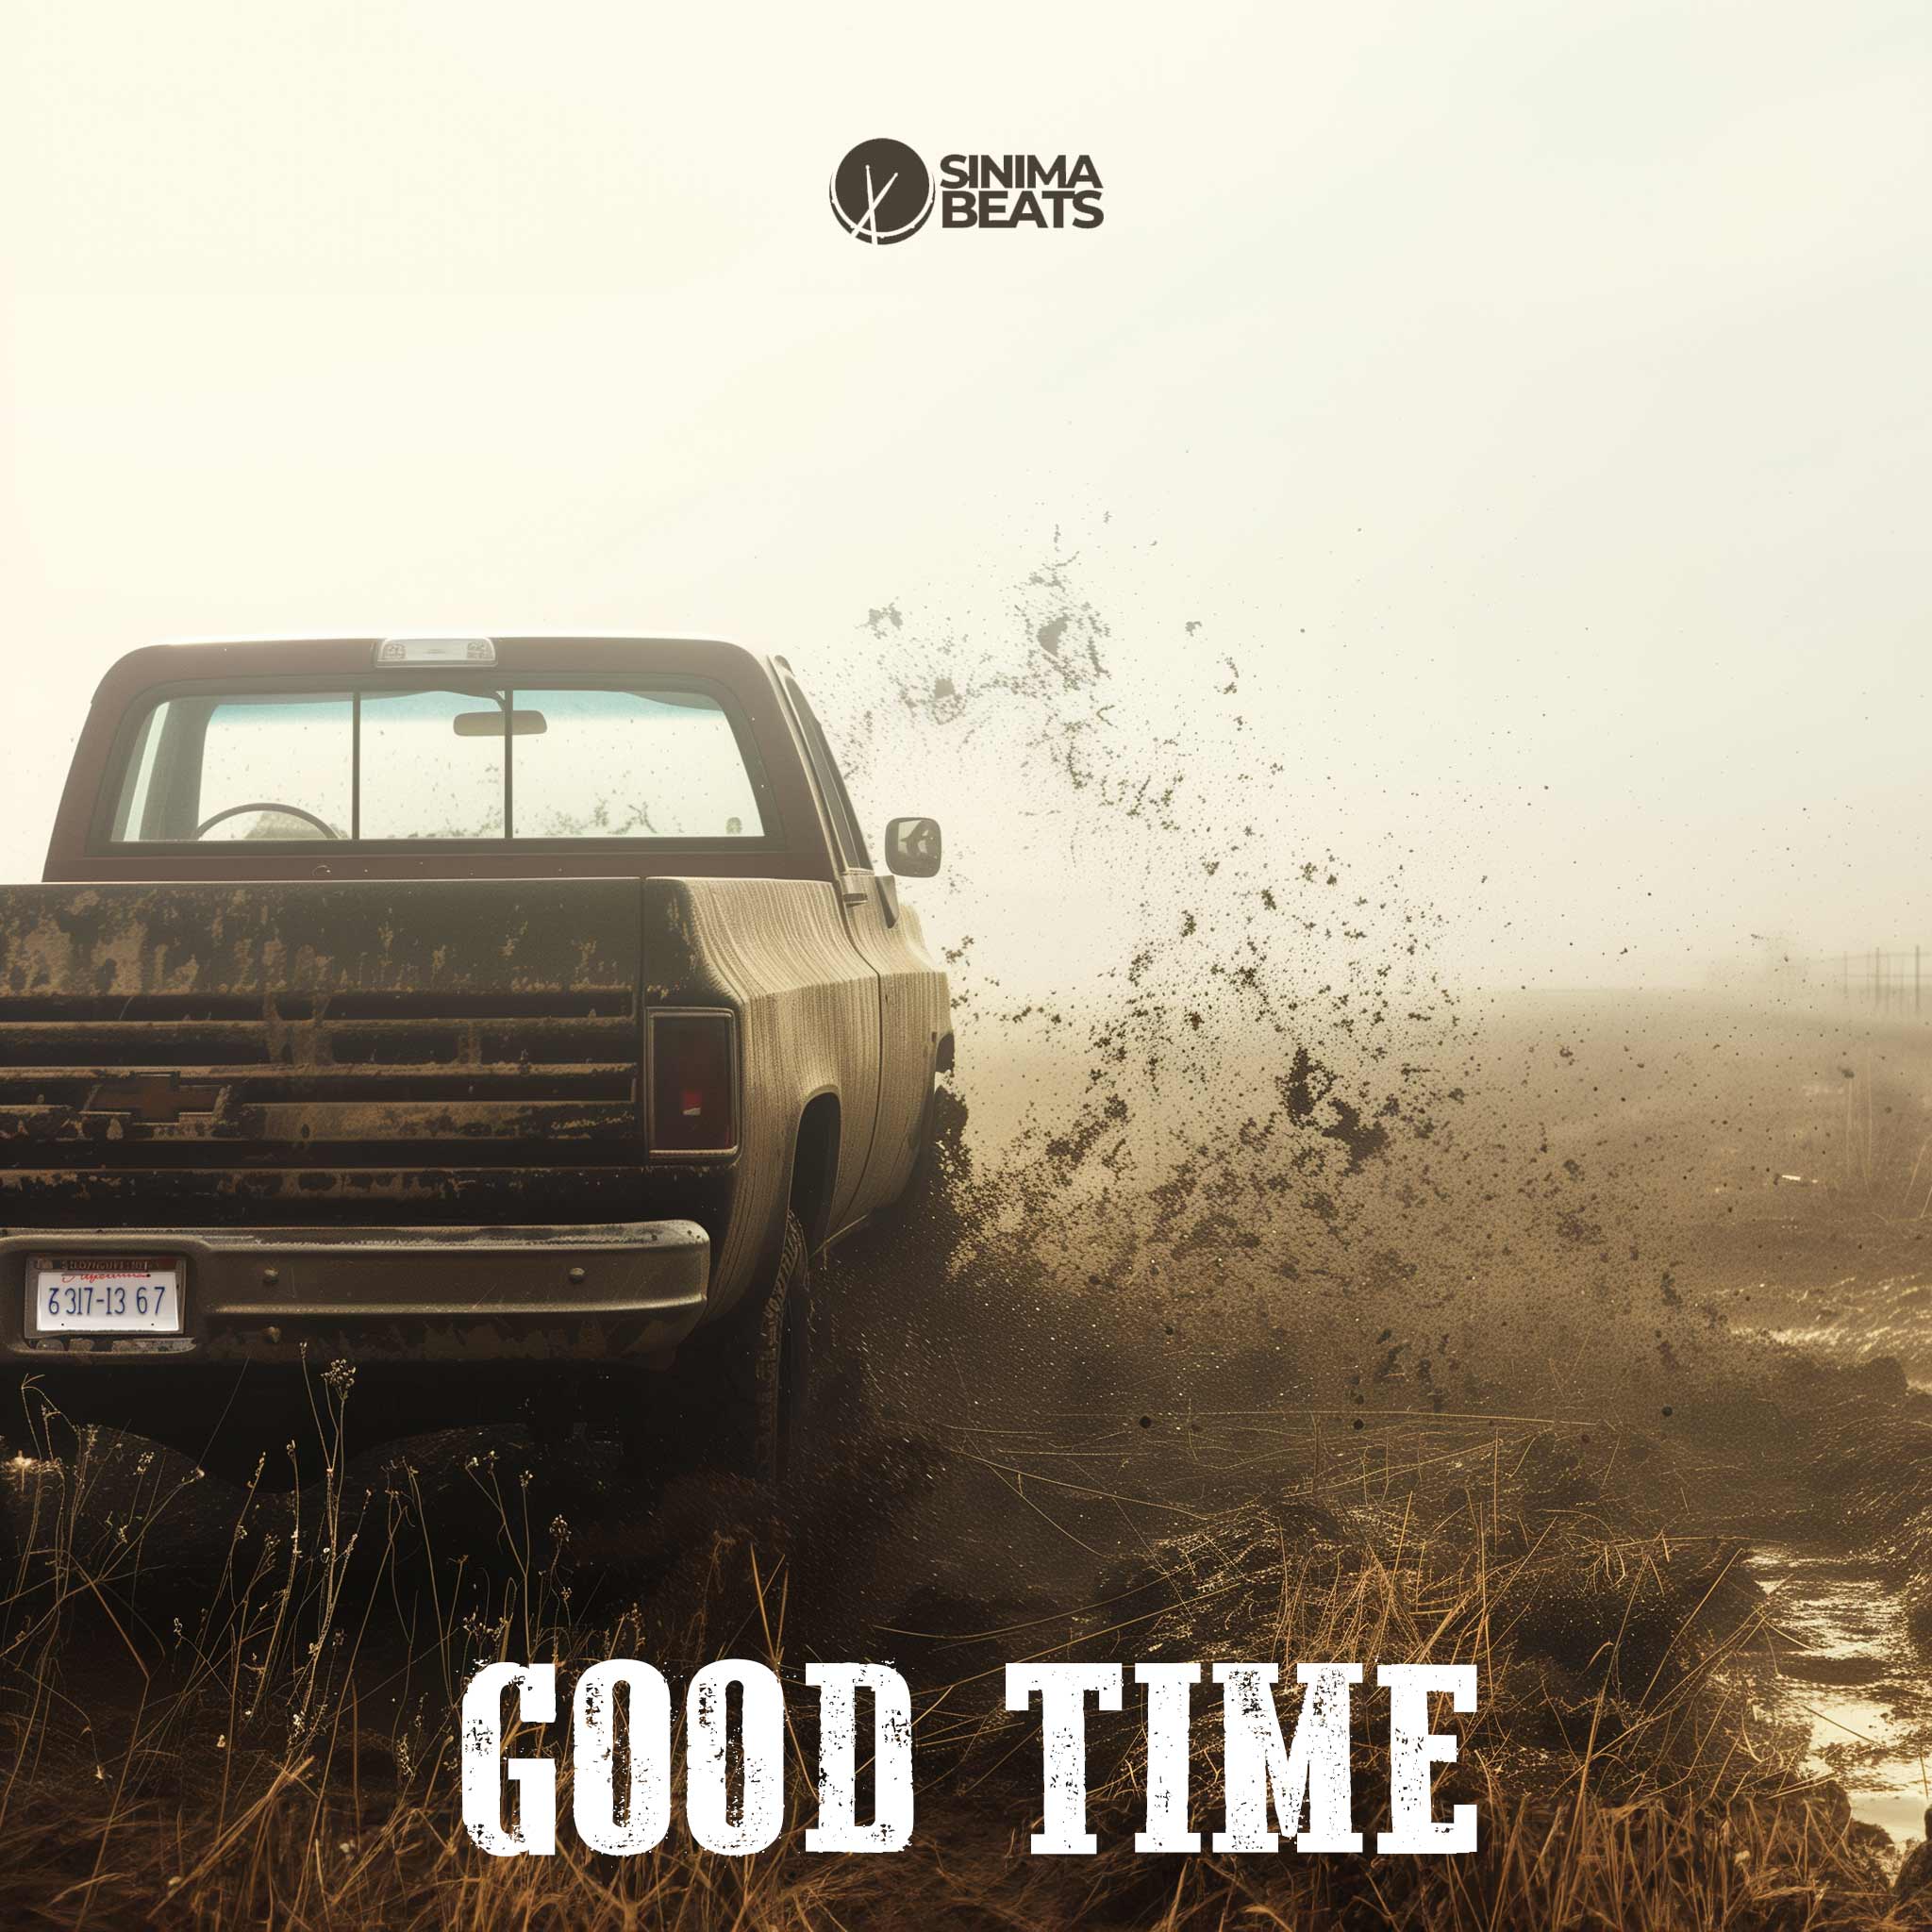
912, 847
492, 724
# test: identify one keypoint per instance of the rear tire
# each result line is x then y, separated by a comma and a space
741, 1387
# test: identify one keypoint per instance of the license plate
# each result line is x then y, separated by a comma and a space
112, 1294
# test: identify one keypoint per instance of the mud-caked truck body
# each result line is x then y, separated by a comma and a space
510, 1019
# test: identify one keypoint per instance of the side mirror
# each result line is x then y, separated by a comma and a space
912, 847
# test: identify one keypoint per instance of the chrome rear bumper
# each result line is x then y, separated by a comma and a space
608, 1292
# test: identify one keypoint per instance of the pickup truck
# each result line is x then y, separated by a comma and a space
513, 1020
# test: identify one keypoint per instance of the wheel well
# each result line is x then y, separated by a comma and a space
815, 1167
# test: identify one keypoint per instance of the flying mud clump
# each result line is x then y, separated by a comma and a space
1217, 1079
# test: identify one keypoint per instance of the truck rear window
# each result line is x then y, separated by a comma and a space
455, 762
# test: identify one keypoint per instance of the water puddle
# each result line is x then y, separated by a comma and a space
1852, 1321
1838, 1660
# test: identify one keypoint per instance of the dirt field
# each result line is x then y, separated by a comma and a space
1281, 1297
1589, 1358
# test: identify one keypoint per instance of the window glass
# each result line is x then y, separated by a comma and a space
137, 786
628, 764
223, 768
432, 764
437, 762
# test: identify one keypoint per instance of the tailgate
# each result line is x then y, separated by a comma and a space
293, 1018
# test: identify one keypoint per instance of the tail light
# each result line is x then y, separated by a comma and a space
692, 1069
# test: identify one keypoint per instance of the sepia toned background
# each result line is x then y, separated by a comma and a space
1529, 401
1458, 527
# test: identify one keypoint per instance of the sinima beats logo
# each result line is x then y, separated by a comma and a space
882, 191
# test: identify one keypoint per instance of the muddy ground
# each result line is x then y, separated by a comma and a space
1281, 1295
1621, 1311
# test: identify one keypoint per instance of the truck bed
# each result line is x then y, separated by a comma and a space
164, 1036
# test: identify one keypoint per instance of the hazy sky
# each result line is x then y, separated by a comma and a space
1527, 396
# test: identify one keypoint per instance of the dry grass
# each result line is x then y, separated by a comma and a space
244, 1786
1624, 1774
236, 1775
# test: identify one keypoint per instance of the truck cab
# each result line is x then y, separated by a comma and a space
512, 1019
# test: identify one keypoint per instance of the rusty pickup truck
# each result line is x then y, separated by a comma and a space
515, 1020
